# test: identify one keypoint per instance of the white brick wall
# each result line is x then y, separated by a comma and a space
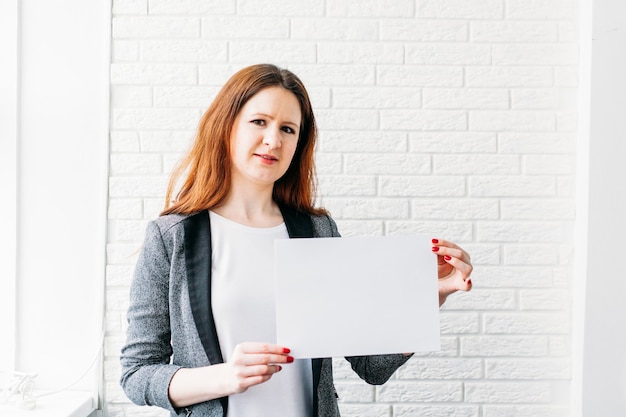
448, 117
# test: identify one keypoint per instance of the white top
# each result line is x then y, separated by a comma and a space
244, 307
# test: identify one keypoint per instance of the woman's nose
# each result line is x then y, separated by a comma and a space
272, 139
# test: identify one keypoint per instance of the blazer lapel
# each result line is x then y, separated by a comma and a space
198, 263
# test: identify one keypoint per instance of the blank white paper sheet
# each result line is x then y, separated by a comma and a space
356, 296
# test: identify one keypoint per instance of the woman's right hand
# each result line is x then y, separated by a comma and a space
254, 363
251, 364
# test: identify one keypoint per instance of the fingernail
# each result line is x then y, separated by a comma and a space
289, 359
280, 368
435, 241
447, 257
435, 248
469, 281
286, 350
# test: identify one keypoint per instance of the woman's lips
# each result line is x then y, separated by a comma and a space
265, 158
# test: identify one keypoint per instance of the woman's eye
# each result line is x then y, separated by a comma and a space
259, 122
289, 130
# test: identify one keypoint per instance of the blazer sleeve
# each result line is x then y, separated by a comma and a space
145, 358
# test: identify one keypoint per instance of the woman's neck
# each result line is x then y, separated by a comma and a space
250, 209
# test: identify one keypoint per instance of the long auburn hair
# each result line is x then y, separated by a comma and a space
205, 172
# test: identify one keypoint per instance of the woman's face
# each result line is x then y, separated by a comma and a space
264, 137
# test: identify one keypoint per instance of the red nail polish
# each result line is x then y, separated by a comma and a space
469, 281
289, 359
447, 257
435, 241
280, 368
435, 248
286, 350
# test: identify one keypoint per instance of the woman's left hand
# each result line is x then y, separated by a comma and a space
454, 268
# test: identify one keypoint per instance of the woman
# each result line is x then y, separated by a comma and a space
201, 316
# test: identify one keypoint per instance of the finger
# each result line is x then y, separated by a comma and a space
256, 347
464, 268
454, 251
250, 359
246, 372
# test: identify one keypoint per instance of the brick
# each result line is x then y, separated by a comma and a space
244, 27
363, 208
355, 392
334, 74
466, 98
511, 186
531, 232
512, 276
453, 142
347, 119
159, 119
526, 411
365, 53
155, 27
545, 299
124, 208
360, 227
124, 142
124, 51
503, 345
567, 121
197, 97
483, 254
129, 230
191, 7
509, 76
454, 209
329, 163
448, 54
129, 96
182, 50
419, 76
526, 323
516, 31
371, 8
169, 141
138, 7
536, 142
560, 346
278, 52
566, 76
424, 31
377, 97
458, 323
538, 209
541, 9
531, 254
507, 392
330, 28
153, 74
362, 141
511, 120
281, 8
152, 207
370, 410
559, 54
452, 120
352, 185
549, 164
405, 391
119, 275
533, 369
461, 9
387, 164
137, 164
441, 369
534, 98
145, 186
117, 299
490, 164
451, 231
436, 410
216, 75
486, 299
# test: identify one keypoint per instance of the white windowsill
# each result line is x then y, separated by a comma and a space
62, 404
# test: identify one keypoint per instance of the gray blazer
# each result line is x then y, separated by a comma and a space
170, 322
